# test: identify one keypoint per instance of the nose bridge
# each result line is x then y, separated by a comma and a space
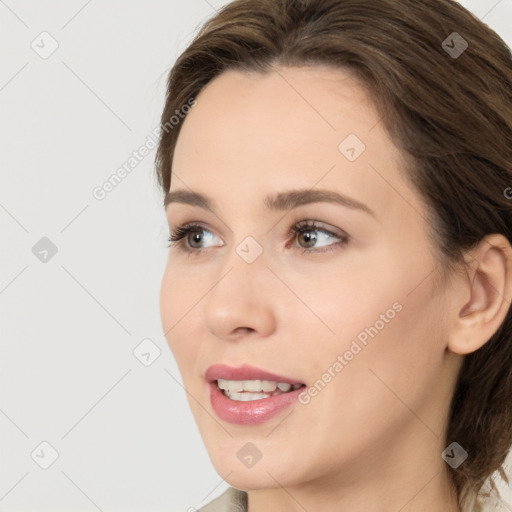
243, 268
239, 299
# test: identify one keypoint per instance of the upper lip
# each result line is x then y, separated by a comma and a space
244, 372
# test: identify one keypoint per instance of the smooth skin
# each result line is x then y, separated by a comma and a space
372, 438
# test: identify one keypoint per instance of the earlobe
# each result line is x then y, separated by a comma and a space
489, 286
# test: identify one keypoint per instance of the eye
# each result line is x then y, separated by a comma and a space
310, 235
193, 235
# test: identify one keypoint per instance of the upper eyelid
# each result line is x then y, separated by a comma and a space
317, 226
302, 224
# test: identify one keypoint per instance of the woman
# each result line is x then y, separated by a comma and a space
338, 189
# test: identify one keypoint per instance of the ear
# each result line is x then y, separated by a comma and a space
485, 295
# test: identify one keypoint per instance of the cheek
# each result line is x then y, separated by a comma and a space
347, 299
364, 289
398, 364
365, 397
380, 317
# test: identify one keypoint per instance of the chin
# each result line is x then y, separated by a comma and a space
252, 480
266, 473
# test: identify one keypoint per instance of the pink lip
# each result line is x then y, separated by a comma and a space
253, 412
244, 372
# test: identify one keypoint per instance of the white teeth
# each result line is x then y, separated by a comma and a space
269, 386
252, 385
245, 390
231, 385
246, 397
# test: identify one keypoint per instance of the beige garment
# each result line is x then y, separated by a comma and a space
233, 500
492, 505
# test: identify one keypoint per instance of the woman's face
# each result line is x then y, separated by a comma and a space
346, 306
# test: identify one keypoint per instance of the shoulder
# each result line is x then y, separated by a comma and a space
232, 500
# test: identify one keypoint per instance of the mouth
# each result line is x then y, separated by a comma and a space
247, 390
248, 395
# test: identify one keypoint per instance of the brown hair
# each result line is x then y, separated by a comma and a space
450, 115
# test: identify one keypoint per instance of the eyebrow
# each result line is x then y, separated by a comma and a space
281, 201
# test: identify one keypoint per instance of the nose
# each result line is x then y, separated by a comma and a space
240, 303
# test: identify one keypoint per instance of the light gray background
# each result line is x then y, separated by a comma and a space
125, 438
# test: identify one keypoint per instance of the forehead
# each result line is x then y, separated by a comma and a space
251, 134
309, 103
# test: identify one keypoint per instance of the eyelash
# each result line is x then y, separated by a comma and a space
177, 237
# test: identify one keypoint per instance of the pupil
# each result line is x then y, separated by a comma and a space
196, 238
309, 238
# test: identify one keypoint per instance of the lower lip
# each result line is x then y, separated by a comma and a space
253, 412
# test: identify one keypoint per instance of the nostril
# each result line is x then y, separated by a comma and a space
244, 330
